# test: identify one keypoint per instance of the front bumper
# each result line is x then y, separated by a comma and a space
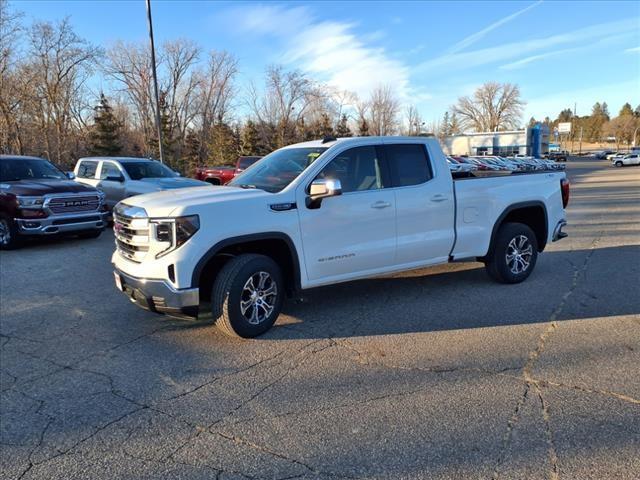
62, 223
158, 295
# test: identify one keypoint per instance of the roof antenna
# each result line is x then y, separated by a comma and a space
329, 139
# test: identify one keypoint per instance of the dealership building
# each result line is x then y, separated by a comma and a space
532, 141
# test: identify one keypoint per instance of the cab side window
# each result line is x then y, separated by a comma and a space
87, 169
109, 170
409, 164
358, 169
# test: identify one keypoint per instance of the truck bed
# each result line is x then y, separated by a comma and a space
480, 201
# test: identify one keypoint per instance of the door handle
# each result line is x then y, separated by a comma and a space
380, 204
439, 198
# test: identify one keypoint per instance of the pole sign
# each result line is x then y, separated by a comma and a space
564, 127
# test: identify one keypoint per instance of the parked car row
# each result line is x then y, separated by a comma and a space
630, 159
39, 199
474, 165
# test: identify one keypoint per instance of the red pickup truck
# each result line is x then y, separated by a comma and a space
223, 175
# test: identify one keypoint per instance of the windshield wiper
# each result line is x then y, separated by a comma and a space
247, 185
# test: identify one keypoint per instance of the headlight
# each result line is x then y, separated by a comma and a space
33, 202
174, 232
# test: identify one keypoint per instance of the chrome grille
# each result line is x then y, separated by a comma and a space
73, 204
132, 236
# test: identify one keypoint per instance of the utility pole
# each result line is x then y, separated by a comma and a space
580, 149
155, 81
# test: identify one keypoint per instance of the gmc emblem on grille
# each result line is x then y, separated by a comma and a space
76, 203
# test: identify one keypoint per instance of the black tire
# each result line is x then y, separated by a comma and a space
496, 263
231, 286
619, 164
10, 239
90, 234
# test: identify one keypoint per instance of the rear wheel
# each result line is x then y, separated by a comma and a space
247, 295
513, 255
9, 236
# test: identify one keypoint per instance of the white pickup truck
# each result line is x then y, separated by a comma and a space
325, 212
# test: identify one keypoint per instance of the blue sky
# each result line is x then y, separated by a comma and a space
559, 53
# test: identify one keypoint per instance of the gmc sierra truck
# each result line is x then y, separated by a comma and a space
324, 212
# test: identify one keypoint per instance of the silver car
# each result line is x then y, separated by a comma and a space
123, 177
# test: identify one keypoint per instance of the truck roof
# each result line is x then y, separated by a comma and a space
355, 140
121, 159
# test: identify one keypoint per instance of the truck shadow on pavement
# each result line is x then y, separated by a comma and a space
599, 283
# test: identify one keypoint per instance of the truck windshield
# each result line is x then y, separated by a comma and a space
14, 169
150, 169
278, 169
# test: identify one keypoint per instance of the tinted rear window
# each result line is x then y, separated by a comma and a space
409, 164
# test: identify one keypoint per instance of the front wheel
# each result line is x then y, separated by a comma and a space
513, 255
247, 295
9, 237
618, 164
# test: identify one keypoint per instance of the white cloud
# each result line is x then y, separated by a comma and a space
534, 58
632, 50
471, 39
330, 51
509, 51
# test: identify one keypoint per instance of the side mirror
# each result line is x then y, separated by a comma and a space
70, 175
114, 178
320, 189
177, 174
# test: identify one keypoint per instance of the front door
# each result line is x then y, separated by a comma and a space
354, 232
114, 190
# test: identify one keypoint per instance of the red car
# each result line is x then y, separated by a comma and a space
223, 175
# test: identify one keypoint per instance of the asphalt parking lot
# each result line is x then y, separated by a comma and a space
432, 374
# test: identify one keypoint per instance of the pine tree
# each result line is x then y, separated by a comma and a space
192, 152
445, 126
223, 145
363, 128
169, 142
342, 128
454, 125
325, 129
249, 141
104, 136
626, 109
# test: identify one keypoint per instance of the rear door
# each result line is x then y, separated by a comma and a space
425, 205
354, 232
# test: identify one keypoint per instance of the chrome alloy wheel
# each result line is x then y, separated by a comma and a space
258, 298
5, 232
519, 253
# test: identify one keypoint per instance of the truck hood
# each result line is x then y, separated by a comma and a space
176, 182
187, 200
36, 188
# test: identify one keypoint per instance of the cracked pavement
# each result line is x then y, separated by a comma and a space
433, 374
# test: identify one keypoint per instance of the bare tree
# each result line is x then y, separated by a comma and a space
214, 95
129, 66
61, 62
10, 83
383, 111
414, 121
494, 106
284, 103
